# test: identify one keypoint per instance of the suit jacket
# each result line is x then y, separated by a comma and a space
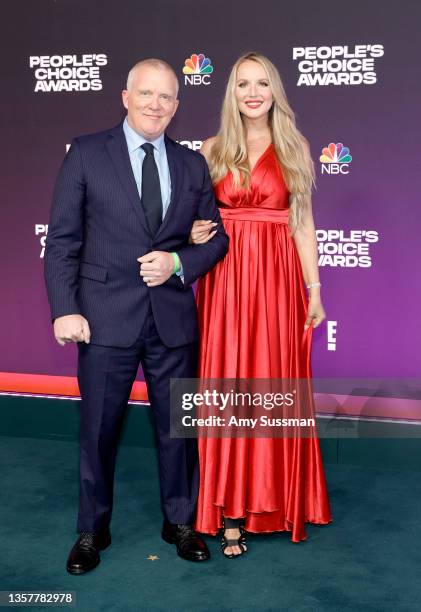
98, 229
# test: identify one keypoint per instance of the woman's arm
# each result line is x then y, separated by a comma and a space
306, 243
202, 230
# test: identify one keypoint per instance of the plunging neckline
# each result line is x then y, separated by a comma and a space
260, 158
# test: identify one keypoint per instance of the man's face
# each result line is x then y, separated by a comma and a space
151, 100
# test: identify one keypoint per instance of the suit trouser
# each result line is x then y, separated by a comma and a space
105, 376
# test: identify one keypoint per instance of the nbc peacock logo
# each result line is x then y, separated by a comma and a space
197, 70
335, 159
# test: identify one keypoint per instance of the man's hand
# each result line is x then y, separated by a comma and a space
156, 267
72, 328
201, 232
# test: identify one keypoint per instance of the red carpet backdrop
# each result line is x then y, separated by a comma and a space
352, 79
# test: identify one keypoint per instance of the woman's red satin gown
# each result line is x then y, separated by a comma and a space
252, 309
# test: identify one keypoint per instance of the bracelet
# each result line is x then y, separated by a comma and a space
176, 262
310, 285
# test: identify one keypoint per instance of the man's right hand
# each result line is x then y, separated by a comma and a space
71, 328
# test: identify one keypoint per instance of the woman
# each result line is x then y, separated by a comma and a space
254, 316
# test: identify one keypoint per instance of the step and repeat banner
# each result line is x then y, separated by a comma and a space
351, 73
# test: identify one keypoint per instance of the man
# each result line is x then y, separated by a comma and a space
118, 270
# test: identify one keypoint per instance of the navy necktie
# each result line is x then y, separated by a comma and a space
151, 189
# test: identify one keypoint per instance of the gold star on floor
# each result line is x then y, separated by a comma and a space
153, 558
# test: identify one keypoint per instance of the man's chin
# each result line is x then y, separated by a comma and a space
153, 134
150, 132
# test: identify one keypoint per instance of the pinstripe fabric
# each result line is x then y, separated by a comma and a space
97, 230
105, 376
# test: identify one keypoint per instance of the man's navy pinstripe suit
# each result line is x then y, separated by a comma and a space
97, 230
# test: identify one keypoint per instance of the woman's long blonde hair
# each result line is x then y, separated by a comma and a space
229, 151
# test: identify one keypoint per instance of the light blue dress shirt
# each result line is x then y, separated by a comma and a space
137, 155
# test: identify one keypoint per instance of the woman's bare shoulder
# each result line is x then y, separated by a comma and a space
207, 145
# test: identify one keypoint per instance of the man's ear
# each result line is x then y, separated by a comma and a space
177, 102
124, 97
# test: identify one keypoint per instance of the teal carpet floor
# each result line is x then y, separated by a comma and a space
369, 559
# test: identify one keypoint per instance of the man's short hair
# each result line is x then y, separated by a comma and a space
155, 63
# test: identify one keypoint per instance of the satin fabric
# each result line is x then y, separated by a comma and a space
252, 308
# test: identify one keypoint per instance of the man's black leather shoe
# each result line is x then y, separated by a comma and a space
189, 545
84, 555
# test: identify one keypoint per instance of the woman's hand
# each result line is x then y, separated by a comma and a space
315, 312
201, 232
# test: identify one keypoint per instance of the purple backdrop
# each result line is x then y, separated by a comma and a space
367, 98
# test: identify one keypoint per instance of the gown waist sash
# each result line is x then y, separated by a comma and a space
243, 213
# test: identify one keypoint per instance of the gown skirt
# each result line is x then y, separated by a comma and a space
252, 308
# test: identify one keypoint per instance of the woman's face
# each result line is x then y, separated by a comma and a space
252, 90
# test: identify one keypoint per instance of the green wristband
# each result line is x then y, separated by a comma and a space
177, 265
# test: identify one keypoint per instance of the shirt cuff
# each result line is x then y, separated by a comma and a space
180, 273
178, 266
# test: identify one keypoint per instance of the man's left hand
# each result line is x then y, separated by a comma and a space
156, 267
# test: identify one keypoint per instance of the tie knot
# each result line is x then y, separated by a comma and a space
148, 148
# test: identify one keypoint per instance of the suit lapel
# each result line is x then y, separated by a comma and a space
175, 164
119, 154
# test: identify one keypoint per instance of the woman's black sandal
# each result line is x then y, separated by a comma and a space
241, 542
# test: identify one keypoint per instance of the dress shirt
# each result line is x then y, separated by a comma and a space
137, 154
